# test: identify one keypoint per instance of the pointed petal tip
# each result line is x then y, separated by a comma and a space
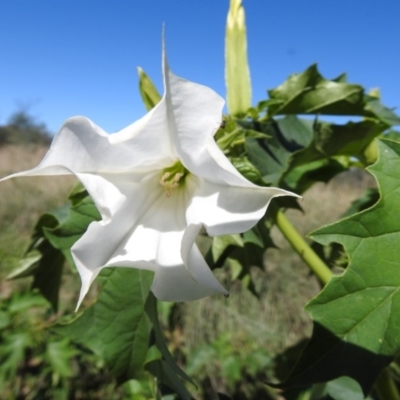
87, 275
82, 294
283, 192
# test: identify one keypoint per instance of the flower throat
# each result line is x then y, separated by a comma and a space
173, 177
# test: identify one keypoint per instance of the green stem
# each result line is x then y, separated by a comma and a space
320, 269
385, 386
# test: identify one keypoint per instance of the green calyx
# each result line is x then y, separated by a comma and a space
173, 177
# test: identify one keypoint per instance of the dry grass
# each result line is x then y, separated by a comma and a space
23, 200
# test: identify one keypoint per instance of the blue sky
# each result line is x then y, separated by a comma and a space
79, 57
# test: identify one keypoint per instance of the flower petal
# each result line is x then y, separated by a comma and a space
105, 240
83, 147
191, 280
194, 114
79, 146
177, 284
145, 231
226, 209
147, 139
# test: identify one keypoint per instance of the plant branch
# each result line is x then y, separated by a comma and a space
320, 269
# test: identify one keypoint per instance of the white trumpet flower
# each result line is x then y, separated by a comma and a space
156, 184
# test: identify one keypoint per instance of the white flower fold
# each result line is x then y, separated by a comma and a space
157, 183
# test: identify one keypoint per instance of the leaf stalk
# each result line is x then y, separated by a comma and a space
320, 269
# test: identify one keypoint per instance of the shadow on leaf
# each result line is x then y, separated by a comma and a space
326, 357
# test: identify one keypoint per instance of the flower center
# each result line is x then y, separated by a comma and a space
173, 177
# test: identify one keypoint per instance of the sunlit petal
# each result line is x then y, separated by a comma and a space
226, 209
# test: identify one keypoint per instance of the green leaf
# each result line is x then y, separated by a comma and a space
296, 132
241, 252
321, 156
5, 320
310, 93
368, 199
223, 245
357, 315
47, 277
59, 355
116, 327
342, 78
26, 266
237, 75
64, 235
337, 140
148, 91
392, 135
12, 352
22, 302
270, 156
301, 152
236, 137
248, 170
51, 243
344, 388
375, 108
302, 177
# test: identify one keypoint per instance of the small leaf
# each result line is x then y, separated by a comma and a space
26, 266
344, 388
243, 252
64, 235
51, 243
59, 355
237, 75
22, 302
230, 139
43, 261
12, 352
302, 177
148, 91
248, 170
5, 320
221, 243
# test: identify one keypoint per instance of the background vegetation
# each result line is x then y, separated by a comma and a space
23, 129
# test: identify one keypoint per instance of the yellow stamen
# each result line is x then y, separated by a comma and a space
173, 177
